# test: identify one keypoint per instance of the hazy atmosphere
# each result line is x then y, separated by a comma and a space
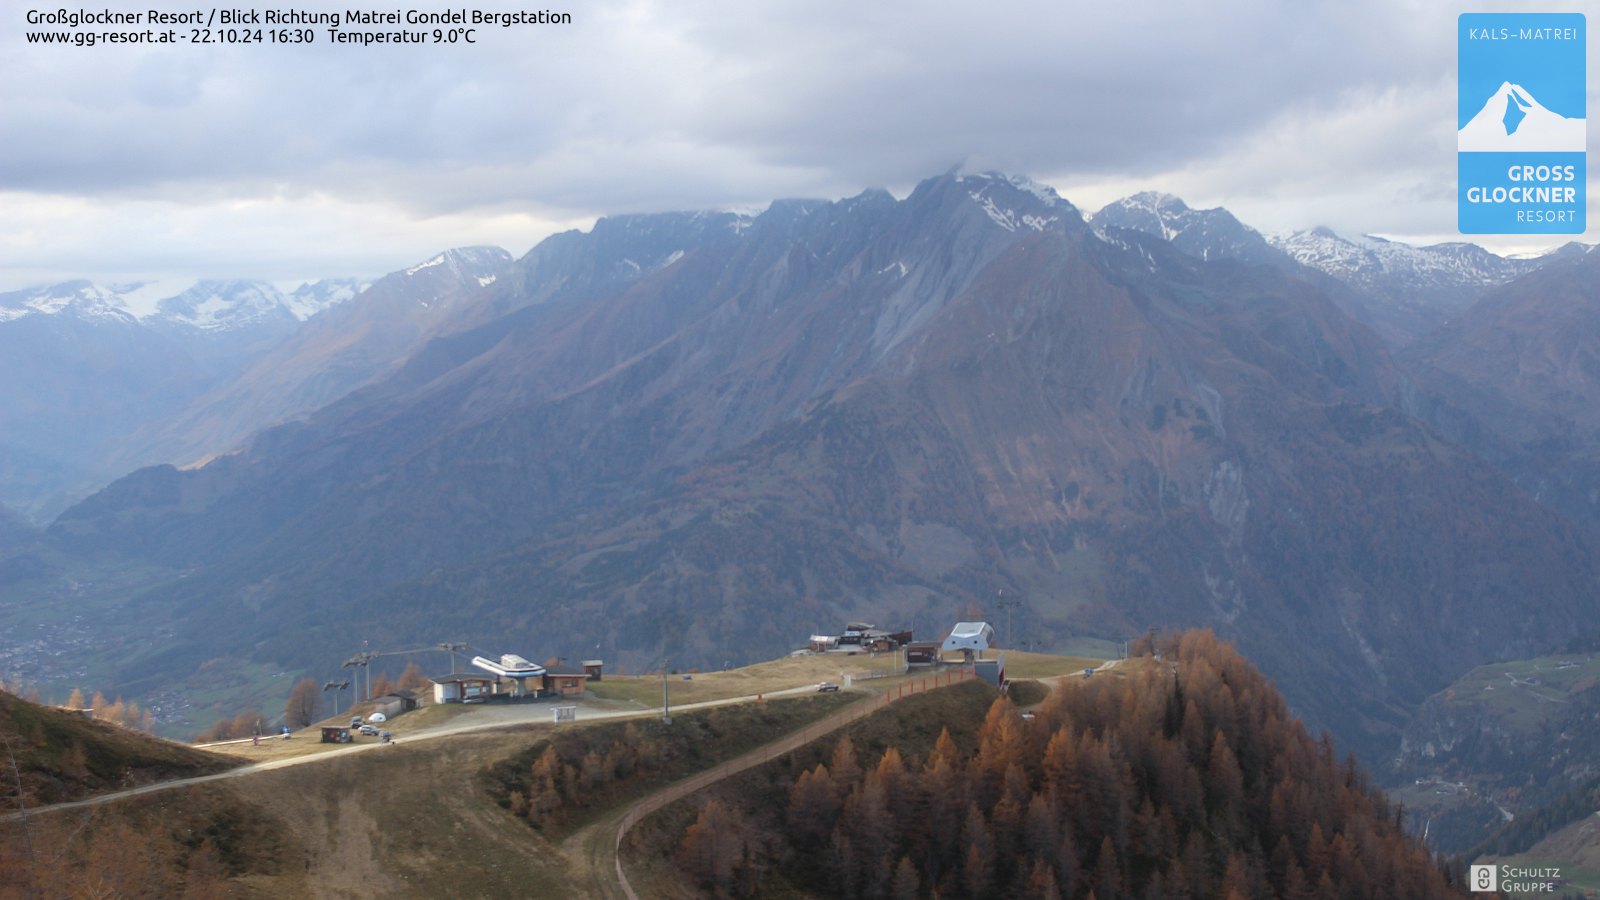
799, 449
281, 162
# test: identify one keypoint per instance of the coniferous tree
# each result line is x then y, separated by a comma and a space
907, 883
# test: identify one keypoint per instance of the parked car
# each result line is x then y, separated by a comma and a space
370, 730
355, 722
827, 687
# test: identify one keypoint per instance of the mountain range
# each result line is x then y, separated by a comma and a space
101, 380
1402, 291
82, 365
697, 437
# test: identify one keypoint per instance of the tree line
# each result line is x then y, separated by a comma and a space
306, 706
1188, 778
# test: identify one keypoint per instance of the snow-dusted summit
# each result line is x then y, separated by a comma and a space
1374, 263
1015, 202
201, 306
1204, 233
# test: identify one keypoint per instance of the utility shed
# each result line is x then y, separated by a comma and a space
973, 637
394, 704
461, 686
594, 668
564, 681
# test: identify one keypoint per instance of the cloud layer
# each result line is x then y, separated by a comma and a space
282, 161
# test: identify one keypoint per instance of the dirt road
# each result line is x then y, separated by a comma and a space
488, 719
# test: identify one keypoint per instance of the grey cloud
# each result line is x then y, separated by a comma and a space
644, 105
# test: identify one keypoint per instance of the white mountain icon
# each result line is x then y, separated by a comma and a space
1512, 120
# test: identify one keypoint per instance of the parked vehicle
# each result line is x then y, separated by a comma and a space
369, 730
355, 722
827, 687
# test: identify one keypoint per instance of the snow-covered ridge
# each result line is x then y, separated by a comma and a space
1042, 192
82, 298
436, 261
212, 306
1204, 233
1169, 215
201, 305
981, 190
1366, 259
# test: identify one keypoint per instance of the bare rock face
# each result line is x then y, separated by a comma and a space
1516, 378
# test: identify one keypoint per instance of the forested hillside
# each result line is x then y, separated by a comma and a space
1188, 777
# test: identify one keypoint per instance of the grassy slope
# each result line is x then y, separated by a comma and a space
61, 757
414, 820
1575, 849
406, 821
1523, 693
1520, 730
645, 690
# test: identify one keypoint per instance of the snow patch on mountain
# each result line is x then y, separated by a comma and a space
207, 306
1202, 233
310, 298
1041, 192
436, 261
224, 306
1005, 218
1368, 260
1160, 213
83, 299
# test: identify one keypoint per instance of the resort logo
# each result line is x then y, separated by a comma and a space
1522, 128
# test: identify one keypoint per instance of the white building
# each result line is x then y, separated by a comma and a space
972, 637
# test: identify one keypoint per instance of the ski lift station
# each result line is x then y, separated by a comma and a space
512, 667
970, 637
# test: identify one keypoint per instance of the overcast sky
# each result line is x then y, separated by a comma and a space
283, 162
